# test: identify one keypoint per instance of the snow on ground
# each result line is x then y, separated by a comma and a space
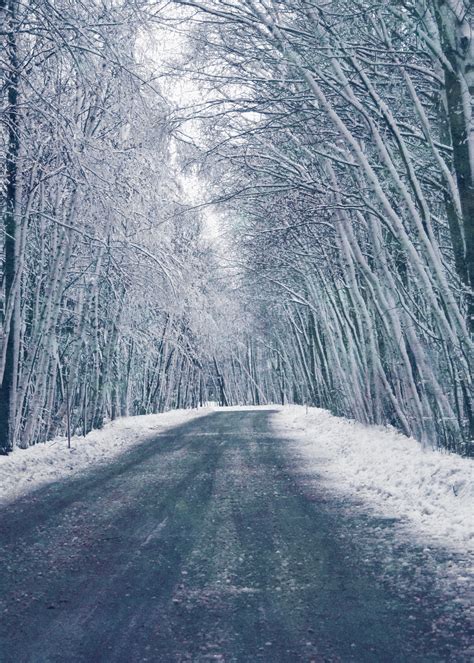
431, 492
26, 469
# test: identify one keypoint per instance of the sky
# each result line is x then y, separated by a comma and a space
161, 47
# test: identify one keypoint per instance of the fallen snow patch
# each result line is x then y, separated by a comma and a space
431, 491
246, 408
26, 469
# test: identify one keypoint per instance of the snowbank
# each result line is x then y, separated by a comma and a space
430, 491
26, 469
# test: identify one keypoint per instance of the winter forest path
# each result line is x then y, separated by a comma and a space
199, 544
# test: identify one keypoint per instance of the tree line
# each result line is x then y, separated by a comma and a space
335, 139
340, 136
102, 267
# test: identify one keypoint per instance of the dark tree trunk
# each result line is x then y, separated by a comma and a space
457, 41
7, 387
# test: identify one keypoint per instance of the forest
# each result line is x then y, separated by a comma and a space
241, 201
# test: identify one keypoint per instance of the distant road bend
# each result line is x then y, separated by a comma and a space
200, 545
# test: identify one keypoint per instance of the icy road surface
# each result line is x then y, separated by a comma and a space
205, 544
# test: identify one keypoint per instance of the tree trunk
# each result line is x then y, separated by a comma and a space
456, 26
7, 388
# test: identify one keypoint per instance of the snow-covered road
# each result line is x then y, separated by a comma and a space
231, 537
430, 492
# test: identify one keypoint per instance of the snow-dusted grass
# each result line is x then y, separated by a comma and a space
430, 491
26, 469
